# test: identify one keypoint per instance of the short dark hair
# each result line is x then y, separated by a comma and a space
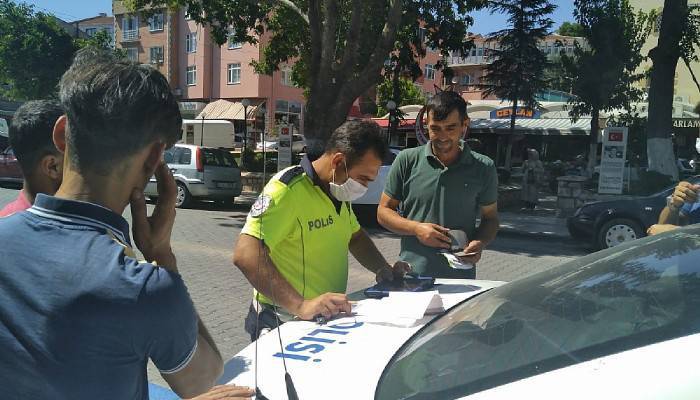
31, 132
115, 107
355, 138
443, 103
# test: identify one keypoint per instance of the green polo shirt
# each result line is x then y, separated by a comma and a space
306, 231
449, 196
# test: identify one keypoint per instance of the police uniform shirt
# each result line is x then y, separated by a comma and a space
79, 315
306, 230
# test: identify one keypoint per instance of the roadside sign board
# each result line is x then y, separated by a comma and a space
284, 148
612, 161
4, 130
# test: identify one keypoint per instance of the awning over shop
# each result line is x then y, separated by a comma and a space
224, 109
540, 126
8, 108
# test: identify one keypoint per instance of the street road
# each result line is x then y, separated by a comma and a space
203, 239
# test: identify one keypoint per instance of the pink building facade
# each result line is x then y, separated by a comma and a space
200, 71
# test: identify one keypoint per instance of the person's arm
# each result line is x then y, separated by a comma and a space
201, 367
671, 216
365, 251
432, 235
488, 228
485, 234
230, 392
252, 258
685, 193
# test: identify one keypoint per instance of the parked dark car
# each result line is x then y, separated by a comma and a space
609, 223
10, 171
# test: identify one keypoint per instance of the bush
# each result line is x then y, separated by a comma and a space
254, 161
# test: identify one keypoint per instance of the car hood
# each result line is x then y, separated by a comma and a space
350, 352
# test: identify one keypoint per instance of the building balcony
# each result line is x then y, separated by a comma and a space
130, 36
467, 61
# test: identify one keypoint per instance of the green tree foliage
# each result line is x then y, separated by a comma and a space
571, 29
408, 94
101, 40
517, 69
34, 52
603, 71
557, 76
679, 37
338, 46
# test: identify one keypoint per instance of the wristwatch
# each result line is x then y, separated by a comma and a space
670, 205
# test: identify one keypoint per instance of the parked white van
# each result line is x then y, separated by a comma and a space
217, 133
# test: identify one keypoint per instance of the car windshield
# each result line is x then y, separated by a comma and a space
218, 158
633, 295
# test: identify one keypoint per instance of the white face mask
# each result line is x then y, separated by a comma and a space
697, 145
348, 191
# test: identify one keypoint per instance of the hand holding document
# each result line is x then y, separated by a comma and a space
459, 241
454, 261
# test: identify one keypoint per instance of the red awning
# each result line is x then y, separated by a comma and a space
404, 123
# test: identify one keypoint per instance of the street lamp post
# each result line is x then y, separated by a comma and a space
246, 104
201, 134
391, 106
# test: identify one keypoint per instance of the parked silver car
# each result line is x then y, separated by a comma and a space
298, 144
201, 173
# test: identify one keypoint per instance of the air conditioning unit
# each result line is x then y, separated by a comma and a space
177, 92
681, 99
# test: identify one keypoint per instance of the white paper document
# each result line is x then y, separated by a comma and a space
400, 307
456, 263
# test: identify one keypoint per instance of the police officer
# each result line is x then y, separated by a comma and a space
294, 246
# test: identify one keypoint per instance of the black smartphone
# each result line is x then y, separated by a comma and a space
407, 284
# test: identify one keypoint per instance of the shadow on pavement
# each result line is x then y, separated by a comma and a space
521, 245
232, 369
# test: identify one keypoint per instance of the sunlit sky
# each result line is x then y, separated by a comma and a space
71, 10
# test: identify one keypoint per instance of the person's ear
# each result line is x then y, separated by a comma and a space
154, 157
337, 160
52, 166
465, 127
59, 133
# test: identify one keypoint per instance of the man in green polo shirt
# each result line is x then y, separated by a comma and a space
294, 246
438, 187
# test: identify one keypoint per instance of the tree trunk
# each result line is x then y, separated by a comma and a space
334, 85
320, 120
665, 60
396, 96
593, 142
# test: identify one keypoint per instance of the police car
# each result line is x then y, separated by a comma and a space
623, 323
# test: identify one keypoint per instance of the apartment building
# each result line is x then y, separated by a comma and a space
470, 68
88, 27
201, 72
